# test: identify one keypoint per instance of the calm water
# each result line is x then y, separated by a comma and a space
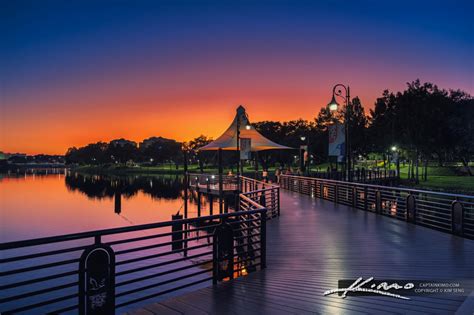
37, 205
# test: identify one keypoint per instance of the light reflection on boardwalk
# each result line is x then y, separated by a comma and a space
314, 244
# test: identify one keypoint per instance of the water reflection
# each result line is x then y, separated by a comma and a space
100, 186
61, 202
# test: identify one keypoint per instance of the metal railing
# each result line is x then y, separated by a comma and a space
115, 268
211, 181
263, 193
359, 175
266, 194
452, 213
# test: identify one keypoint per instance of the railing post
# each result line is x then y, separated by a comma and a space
278, 200
354, 196
177, 230
366, 198
457, 215
378, 201
411, 208
336, 193
214, 259
263, 240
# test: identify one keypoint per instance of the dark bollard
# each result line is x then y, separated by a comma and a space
97, 280
177, 229
223, 253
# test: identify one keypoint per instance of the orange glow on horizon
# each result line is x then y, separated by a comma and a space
54, 132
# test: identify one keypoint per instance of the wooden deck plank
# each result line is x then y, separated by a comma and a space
315, 243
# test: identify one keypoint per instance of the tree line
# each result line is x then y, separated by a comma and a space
423, 122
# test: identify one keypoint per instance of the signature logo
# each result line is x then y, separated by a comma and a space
366, 286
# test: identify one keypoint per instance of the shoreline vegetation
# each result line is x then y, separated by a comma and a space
444, 179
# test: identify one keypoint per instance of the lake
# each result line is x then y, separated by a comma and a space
47, 203
44, 203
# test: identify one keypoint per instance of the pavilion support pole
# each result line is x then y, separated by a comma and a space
219, 156
256, 165
186, 184
186, 197
199, 204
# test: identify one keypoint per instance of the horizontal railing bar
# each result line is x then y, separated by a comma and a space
42, 279
42, 291
162, 273
164, 263
64, 310
163, 292
142, 238
150, 286
42, 254
136, 249
123, 262
36, 267
31, 306
378, 186
70, 237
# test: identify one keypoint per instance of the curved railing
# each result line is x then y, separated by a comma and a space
264, 193
451, 213
57, 274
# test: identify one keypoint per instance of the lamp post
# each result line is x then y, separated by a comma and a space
240, 111
333, 106
396, 151
303, 165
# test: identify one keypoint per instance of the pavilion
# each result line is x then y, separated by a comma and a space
241, 128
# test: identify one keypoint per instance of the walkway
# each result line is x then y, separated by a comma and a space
315, 243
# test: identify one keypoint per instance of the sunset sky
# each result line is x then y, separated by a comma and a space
76, 72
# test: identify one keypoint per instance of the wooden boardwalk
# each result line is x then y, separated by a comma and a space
315, 243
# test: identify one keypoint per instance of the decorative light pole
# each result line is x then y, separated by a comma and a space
303, 165
240, 111
396, 152
333, 106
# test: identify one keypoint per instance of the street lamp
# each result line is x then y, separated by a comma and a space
240, 111
396, 152
333, 106
302, 160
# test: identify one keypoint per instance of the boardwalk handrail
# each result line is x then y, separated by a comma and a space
171, 256
448, 212
265, 193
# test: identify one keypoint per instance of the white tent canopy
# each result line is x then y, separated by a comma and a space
228, 140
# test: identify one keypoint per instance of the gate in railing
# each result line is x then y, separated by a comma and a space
452, 213
104, 271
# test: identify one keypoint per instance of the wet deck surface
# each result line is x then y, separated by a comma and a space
315, 243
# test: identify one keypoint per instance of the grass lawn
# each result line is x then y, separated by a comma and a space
441, 178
